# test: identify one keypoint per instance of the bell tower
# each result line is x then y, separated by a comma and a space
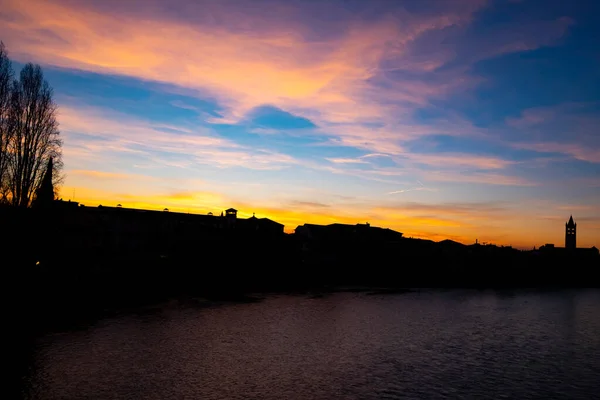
571, 234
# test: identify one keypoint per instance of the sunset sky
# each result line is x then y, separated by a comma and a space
438, 118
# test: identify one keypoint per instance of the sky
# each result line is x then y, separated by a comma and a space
464, 120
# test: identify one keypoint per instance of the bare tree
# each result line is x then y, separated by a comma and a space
34, 135
6, 76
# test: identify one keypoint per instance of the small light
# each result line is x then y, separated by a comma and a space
37, 263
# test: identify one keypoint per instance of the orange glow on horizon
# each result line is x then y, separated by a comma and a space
450, 226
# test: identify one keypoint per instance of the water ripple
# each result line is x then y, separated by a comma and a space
428, 345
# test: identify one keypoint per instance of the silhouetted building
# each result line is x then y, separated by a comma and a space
263, 226
231, 216
122, 229
570, 251
571, 234
345, 231
65, 204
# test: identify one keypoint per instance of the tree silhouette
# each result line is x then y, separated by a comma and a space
33, 136
6, 76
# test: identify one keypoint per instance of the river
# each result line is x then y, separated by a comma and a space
429, 344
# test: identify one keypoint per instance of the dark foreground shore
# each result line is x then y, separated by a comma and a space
71, 288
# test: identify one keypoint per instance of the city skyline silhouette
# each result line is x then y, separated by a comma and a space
464, 121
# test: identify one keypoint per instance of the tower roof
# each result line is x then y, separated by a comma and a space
571, 222
45, 193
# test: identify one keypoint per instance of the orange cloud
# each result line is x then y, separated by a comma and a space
326, 80
100, 174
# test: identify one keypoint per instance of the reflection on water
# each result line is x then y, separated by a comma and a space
347, 345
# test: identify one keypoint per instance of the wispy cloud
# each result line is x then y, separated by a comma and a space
99, 174
456, 209
567, 128
459, 160
346, 160
104, 134
412, 189
484, 178
440, 167
575, 150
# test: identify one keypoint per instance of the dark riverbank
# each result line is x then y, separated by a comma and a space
53, 292
433, 343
